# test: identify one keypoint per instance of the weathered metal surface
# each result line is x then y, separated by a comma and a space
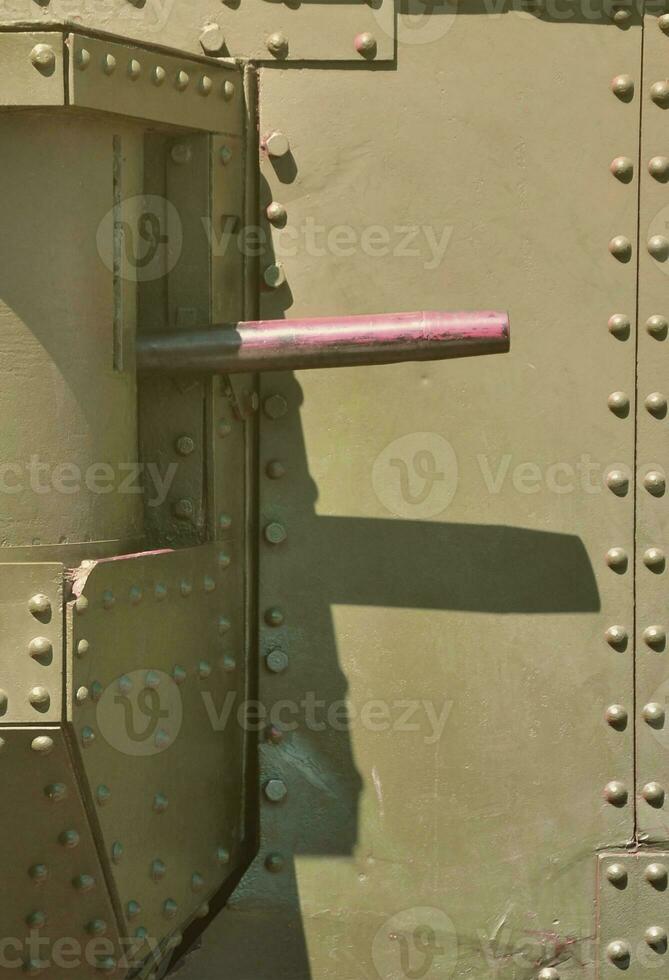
652, 676
450, 541
31, 638
56, 916
356, 31
632, 914
155, 677
31, 72
322, 343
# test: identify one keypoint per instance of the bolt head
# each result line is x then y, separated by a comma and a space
620, 326
654, 713
615, 793
212, 39
277, 45
69, 839
659, 93
205, 85
274, 616
275, 533
618, 951
181, 154
275, 470
276, 144
277, 661
622, 168
656, 937
275, 406
43, 58
276, 790
617, 874
653, 793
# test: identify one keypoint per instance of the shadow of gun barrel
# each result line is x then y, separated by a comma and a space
287, 345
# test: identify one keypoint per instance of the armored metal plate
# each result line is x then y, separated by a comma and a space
31, 639
154, 679
652, 455
129, 81
632, 914
31, 69
56, 910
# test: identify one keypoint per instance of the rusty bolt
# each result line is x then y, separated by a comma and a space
275, 144
212, 39
277, 45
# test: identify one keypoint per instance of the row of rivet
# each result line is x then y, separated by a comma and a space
656, 874
212, 41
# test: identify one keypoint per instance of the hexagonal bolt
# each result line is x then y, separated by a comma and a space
275, 144
275, 406
275, 533
212, 39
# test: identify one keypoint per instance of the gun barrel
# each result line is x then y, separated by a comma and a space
286, 345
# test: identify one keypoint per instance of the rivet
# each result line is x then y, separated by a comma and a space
653, 559
39, 873
185, 588
108, 599
620, 326
275, 790
43, 58
134, 69
197, 882
274, 616
182, 80
117, 852
223, 625
81, 605
83, 59
142, 934
276, 213
656, 937
622, 168
620, 248
274, 275
96, 927
617, 482
616, 715
274, 735
615, 793
655, 636
224, 559
158, 75
224, 522
184, 445
160, 592
162, 739
653, 793
222, 855
40, 699
135, 595
658, 167
160, 803
124, 684
3, 744
229, 664
658, 247
618, 951
275, 469
654, 714
225, 428
36, 920
209, 584
275, 144
204, 669
275, 863
656, 404
617, 874
275, 533
179, 675
84, 883
657, 327
152, 679
158, 869
43, 745
39, 605
69, 839
548, 973
623, 86
56, 792
275, 407
212, 39
616, 558
133, 909
87, 736
622, 16
41, 649
205, 85
109, 64
656, 874
277, 661
659, 93
83, 647
277, 45
183, 509
228, 90
365, 44
103, 794
170, 908
203, 911
654, 483
4, 702
106, 964
33, 968
619, 403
